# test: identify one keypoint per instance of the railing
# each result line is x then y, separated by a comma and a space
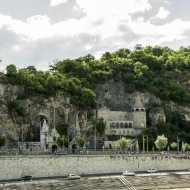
17, 152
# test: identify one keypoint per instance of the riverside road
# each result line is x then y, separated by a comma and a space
142, 181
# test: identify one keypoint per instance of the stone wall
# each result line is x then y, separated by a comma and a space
44, 166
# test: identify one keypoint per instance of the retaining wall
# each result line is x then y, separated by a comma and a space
44, 166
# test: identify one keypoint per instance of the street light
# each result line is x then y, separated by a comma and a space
95, 137
143, 144
147, 143
63, 142
18, 145
120, 135
178, 145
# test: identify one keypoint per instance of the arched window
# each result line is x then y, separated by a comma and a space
113, 125
130, 125
121, 125
117, 125
126, 125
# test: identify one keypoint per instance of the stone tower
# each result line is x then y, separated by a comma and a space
139, 114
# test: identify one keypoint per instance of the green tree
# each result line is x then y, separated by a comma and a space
31, 69
2, 141
11, 70
124, 143
173, 145
187, 146
100, 126
80, 141
161, 142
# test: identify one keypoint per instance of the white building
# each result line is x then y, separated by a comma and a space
123, 122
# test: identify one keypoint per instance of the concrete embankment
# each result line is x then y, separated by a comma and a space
47, 166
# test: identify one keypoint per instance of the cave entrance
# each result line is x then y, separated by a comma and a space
33, 134
54, 148
63, 130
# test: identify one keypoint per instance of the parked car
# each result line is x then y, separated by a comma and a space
60, 152
152, 170
26, 177
73, 176
127, 173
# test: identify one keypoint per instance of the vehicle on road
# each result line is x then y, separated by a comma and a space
163, 152
128, 173
26, 177
151, 170
73, 176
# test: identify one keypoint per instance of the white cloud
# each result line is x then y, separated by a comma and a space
162, 13
102, 17
95, 26
119, 8
150, 34
54, 3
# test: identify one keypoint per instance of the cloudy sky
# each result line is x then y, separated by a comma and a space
38, 32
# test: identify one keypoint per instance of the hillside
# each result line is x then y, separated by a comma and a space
160, 73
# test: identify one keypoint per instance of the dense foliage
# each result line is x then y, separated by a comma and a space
159, 70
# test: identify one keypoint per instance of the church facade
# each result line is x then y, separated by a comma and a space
125, 123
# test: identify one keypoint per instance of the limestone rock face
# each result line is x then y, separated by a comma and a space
113, 96
20, 118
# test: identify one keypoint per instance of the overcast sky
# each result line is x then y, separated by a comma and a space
37, 32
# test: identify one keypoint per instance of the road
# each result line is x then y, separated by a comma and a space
141, 181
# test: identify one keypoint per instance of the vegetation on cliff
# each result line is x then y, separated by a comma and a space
159, 70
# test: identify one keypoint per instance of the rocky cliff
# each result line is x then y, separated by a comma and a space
20, 117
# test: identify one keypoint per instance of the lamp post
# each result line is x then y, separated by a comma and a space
120, 135
63, 142
95, 137
147, 143
178, 145
143, 144
18, 145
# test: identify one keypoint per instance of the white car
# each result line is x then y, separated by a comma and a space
127, 173
152, 170
73, 176
163, 152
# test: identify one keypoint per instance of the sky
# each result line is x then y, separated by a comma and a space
40, 32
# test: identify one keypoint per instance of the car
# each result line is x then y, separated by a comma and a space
26, 177
128, 173
60, 152
152, 170
73, 176
163, 152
